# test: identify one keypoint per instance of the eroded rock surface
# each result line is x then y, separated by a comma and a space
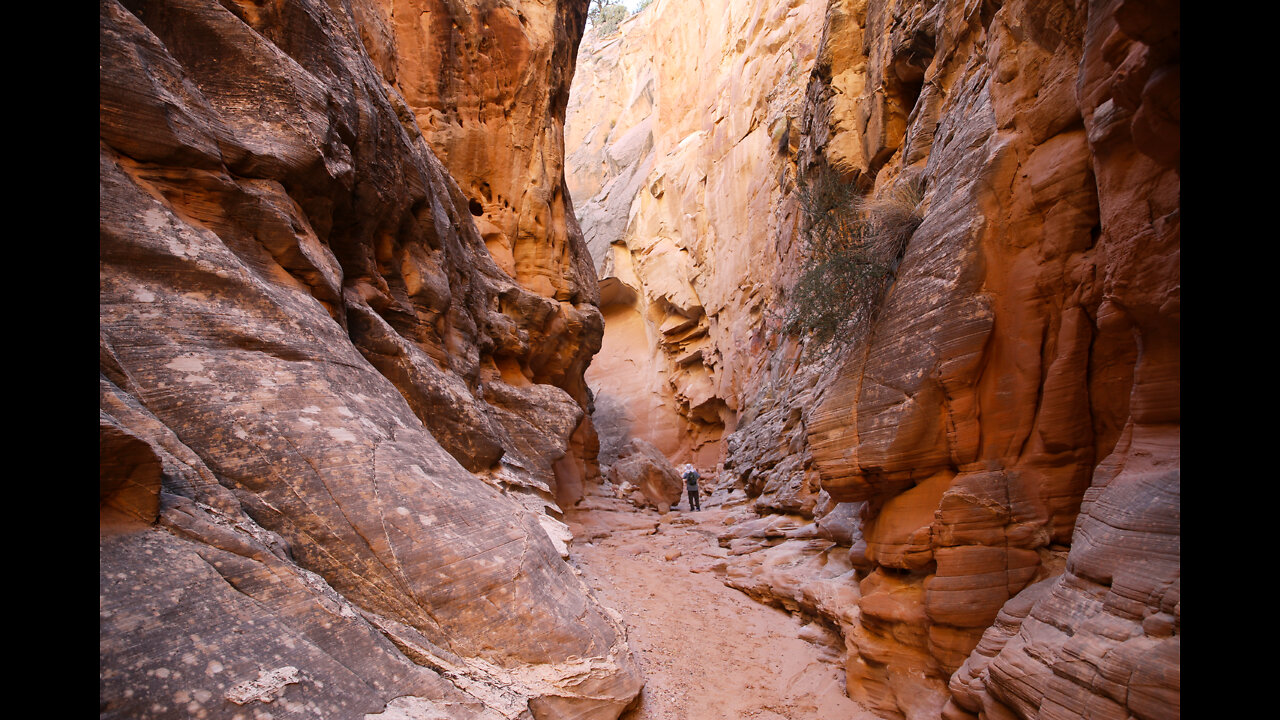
998, 448
655, 480
679, 133
336, 419
979, 451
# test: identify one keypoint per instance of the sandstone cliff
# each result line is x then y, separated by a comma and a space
342, 338
980, 488
679, 133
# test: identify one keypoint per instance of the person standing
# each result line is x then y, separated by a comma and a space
691, 478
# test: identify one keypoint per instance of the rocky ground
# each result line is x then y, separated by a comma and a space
708, 651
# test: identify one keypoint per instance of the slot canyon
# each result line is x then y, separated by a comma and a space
413, 315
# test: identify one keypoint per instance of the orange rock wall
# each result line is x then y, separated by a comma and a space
1005, 436
488, 83
679, 137
1003, 379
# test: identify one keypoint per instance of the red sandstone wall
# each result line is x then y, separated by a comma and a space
336, 415
1000, 450
1023, 375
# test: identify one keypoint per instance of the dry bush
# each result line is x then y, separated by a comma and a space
606, 16
853, 247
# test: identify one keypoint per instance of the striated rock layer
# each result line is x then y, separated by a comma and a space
1020, 371
342, 339
679, 131
998, 448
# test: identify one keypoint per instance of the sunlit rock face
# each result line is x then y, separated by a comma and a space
488, 83
336, 416
1023, 375
679, 135
999, 450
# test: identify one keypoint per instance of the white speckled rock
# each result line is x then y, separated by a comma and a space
330, 420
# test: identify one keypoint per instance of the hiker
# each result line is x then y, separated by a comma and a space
690, 476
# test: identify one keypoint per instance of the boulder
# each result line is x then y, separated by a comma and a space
642, 466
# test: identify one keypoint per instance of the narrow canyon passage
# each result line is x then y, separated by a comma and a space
415, 316
708, 651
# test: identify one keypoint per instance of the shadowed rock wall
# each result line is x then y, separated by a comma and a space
999, 449
335, 420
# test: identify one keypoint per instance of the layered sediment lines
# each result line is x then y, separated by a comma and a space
342, 338
680, 129
988, 473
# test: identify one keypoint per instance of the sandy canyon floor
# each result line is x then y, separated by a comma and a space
709, 652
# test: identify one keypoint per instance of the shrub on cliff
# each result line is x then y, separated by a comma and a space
606, 15
853, 245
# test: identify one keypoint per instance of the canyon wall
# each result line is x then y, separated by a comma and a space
679, 131
979, 487
342, 341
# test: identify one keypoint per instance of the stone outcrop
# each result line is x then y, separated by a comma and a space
974, 449
642, 467
679, 133
342, 338
999, 447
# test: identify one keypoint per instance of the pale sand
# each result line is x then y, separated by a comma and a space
708, 651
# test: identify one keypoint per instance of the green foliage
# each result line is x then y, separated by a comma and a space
853, 247
606, 15
643, 4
